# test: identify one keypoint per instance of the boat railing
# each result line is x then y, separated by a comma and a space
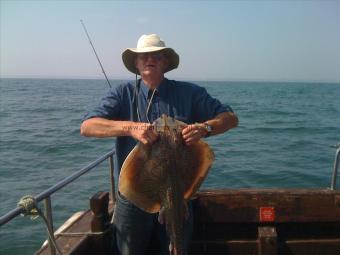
46, 194
336, 166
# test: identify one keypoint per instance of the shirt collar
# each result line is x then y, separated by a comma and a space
161, 88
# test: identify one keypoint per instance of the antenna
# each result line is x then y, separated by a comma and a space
101, 66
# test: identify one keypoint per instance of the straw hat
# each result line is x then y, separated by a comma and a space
149, 43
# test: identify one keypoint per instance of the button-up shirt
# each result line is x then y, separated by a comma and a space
184, 101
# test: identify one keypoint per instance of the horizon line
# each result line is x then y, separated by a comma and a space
49, 77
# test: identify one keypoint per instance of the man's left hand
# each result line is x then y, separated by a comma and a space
193, 133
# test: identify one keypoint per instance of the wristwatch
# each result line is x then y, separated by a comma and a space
208, 128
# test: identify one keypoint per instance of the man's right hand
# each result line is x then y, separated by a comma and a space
143, 132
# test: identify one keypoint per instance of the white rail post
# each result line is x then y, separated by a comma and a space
48, 215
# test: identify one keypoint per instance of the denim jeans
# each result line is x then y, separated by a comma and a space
134, 229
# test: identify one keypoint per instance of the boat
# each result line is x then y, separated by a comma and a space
240, 222
226, 221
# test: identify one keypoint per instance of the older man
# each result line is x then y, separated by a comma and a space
127, 112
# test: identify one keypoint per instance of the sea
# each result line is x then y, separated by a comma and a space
285, 139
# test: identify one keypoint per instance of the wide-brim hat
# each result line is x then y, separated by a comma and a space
149, 43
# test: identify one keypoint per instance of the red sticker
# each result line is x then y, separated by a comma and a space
267, 214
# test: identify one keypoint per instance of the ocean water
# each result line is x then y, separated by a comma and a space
284, 140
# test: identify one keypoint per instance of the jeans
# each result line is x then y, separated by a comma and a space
135, 229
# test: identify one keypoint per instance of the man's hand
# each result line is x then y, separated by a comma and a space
220, 124
143, 132
193, 133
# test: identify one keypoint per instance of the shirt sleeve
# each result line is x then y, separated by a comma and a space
206, 107
108, 107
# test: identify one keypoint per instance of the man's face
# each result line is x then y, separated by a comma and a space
151, 64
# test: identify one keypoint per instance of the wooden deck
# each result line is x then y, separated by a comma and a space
236, 222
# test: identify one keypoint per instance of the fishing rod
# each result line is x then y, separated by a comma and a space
101, 66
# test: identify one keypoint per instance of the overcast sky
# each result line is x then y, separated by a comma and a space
216, 40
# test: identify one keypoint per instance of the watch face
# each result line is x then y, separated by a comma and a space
208, 128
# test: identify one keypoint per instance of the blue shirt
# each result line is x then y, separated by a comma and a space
184, 101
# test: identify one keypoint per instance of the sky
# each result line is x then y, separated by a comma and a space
216, 40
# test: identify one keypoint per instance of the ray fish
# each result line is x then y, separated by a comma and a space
163, 176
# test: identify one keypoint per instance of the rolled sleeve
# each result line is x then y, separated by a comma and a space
206, 107
109, 106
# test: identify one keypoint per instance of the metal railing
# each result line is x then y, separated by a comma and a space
46, 194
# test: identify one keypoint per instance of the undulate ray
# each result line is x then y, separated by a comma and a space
165, 175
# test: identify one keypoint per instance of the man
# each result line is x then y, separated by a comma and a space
127, 112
